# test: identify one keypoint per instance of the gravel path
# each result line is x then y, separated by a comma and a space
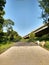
25, 55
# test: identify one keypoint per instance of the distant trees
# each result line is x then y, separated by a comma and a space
11, 35
44, 5
31, 36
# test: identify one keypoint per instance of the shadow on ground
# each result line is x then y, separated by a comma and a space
25, 44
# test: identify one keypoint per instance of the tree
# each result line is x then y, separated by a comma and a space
44, 5
32, 36
2, 12
8, 24
13, 36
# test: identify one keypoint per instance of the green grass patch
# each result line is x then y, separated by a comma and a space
5, 46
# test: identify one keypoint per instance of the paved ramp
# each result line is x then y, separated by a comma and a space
25, 44
25, 55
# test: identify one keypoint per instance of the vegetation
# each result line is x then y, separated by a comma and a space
44, 5
2, 12
10, 35
44, 37
5, 46
24, 40
47, 45
31, 37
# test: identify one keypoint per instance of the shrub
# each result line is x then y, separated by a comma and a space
47, 45
31, 37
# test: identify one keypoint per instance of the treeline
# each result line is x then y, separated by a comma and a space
10, 34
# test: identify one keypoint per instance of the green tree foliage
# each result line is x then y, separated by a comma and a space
44, 5
8, 24
13, 36
31, 36
2, 12
10, 35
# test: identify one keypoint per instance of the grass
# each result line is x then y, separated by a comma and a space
23, 40
5, 46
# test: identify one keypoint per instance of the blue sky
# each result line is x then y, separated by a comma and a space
25, 14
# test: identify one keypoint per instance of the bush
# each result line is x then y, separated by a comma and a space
47, 45
44, 37
31, 37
